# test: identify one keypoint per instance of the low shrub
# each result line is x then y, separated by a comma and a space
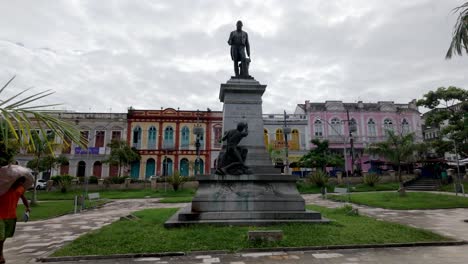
115, 180
176, 180
319, 178
64, 182
93, 180
371, 179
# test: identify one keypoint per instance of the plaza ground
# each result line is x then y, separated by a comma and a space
40, 238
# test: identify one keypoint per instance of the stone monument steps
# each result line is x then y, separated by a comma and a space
191, 216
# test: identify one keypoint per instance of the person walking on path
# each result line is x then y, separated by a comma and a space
8, 204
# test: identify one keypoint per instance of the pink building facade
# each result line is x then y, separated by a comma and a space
329, 121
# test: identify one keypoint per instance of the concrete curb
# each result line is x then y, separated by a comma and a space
251, 250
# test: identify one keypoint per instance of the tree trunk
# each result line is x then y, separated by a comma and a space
401, 190
34, 197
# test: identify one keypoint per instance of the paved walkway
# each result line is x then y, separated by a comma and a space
40, 238
413, 255
447, 222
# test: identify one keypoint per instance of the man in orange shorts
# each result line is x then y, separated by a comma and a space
8, 204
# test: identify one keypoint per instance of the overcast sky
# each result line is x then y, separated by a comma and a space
109, 55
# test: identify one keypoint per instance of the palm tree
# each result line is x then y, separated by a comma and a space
398, 148
460, 33
22, 122
19, 118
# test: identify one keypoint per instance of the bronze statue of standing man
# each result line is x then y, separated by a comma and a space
239, 42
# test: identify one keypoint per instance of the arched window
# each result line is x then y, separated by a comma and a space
199, 167
184, 167
405, 128
265, 138
371, 129
169, 138
294, 145
65, 168
135, 169
388, 125
217, 136
202, 139
150, 168
279, 136
136, 141
336, 128
318, 128
81, 169
152, 138
167, 167
97, 169
185, 138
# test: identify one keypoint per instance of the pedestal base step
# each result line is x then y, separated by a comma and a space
185, 217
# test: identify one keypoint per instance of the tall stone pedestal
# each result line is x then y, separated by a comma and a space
242, 100
262, 198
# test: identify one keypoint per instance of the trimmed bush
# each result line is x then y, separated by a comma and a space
319, 178
176, 180
93, 180
371, 179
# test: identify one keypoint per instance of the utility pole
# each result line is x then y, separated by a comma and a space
286, 130
351, 141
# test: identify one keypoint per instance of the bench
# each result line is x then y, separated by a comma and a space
341, 190
94, 196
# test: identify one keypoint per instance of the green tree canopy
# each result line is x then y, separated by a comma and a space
449, 112
121, 154
397, 148
320, 157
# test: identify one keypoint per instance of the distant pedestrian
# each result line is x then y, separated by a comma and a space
8, 203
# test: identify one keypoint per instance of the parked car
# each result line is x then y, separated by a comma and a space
41, 184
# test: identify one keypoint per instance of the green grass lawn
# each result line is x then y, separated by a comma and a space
148, 235
308, 188
114, 194
450, 187
49, 209
46, 210
412, 200
390, 186
187, 199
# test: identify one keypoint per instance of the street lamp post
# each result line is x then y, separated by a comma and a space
459, 183
286, 131
197, 131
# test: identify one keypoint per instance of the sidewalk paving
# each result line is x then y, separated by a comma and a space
39, 238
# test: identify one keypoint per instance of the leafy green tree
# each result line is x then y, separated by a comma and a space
397, 148
459, 41
449, 112
320, 157
121, 154
41, 146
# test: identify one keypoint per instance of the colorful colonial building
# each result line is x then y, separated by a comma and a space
166, 141
273, 129
99, 129
329, 120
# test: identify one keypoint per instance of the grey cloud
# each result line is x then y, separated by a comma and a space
147, 54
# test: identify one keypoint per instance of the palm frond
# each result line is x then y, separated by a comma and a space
459, 41
21, 119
